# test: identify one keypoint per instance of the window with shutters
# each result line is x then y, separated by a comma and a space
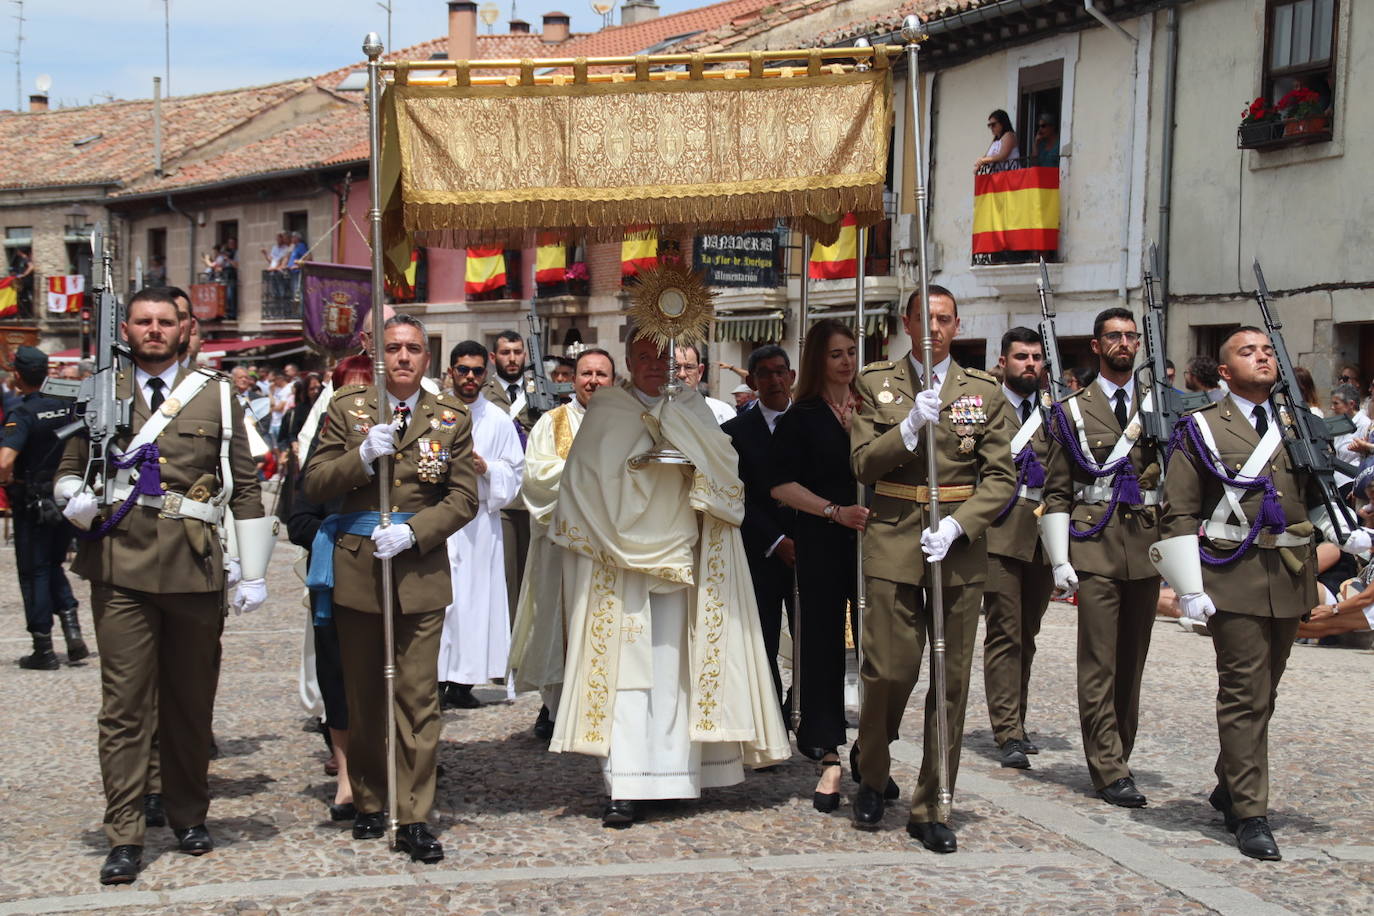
1296, 100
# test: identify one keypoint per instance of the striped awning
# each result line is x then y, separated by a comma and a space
877, 318
746, 327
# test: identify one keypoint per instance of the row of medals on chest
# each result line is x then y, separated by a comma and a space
966, 411
431, 462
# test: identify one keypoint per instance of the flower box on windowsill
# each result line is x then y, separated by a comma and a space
1287, 132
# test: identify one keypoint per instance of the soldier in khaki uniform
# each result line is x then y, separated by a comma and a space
1019, 577
976, 481
1103, 551
433, 493
157, 579
1251, 595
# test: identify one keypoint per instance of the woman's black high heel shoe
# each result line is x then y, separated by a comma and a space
826, 802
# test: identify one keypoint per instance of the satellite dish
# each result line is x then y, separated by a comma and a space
489, 13
43, 83
602, 7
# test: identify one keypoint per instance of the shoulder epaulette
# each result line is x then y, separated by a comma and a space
1072, 394
983, 376
449, 400
879, 364
213, 373
1196, 410
350, 389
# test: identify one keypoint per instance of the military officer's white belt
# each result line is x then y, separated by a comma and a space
1220, 532
173, 505
1100, 494
1037, 494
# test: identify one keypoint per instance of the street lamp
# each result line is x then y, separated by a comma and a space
76, 220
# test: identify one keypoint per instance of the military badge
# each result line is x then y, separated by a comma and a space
170, 407
885, 396
433, 422
966, 445
448, 419
1134, 429
358, 402
431, 460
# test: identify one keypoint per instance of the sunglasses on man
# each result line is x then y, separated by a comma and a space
470, 370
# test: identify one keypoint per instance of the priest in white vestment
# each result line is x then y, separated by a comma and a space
539, 636
666, 678
475, 643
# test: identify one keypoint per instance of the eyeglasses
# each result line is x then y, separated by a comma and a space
1118, 336
470, 370
1348, 379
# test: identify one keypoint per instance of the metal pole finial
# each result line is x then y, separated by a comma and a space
914, 30
372, 46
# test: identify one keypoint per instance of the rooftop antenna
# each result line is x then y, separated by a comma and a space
18, 56
167, 45
387, 6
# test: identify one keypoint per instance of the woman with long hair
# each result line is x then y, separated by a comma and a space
812, 474
1004, 145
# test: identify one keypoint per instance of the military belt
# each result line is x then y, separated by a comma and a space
1267, 539
1035, 494
1099, 494
174, 505
921, 494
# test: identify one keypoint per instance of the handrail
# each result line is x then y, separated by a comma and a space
879, 55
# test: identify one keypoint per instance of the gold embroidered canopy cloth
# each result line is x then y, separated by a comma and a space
493, 160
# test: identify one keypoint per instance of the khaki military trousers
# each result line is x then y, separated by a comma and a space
1115, 618
1252, 653
417, 708
1017, 595
515, 542
896, 620
159, 667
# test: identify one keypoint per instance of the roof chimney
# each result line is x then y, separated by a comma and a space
556, 28
462, 29
519, 27
38, 101
632, 11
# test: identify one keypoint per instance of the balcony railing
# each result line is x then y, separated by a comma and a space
281, 295
1016, 211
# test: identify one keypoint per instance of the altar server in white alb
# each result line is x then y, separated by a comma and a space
539, 637
667, 678
476, 639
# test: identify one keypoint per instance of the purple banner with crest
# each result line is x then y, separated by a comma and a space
335, 300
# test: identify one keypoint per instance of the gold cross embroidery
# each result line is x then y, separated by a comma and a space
631, 630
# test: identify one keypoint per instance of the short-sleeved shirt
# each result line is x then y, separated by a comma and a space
31, 430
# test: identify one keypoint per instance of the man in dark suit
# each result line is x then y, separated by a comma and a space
767, 524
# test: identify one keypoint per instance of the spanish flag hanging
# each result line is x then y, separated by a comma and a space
638, 251
837, 261
551, 259
486, 270
1016, 210
9, 297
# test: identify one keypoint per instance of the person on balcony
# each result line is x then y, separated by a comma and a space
1004, 144
1045, 144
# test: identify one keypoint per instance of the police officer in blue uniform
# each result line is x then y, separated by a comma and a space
29, 452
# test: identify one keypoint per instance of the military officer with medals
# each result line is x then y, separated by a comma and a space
434, 493
1251, 574
1019, 577
157, 574
976, 480
1099, 521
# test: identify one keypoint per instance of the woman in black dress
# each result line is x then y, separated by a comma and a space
813, 476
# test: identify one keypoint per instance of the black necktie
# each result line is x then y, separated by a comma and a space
1025, 411
1261, 420
1120, 409
157, 385
511, 390
401, 418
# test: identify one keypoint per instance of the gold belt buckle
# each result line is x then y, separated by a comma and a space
171, 505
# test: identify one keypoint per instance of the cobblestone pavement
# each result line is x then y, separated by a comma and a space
522, 831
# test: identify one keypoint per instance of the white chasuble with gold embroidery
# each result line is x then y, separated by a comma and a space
661, 540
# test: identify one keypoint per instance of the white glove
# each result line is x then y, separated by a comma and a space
82, 509
1358, 542
250, 595
935, 544
381, 440
1065, 580
391, 540
233, 573
1196, 606
926, 409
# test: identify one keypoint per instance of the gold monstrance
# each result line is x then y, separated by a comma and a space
669, 305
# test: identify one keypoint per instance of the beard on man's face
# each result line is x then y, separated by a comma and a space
1024, 384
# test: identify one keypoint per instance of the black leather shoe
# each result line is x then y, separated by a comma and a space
122, 865
891, 792
826, 802
153, 815
1254, 838
619, 814
419, 843
1013, 755
1122, 793
936, 837
460, 697
543, 726
1028, 746
868, 808
1220, 799
345, 812
369, 826
43, 657
193, 841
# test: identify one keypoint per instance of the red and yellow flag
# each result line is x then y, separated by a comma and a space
66, 294
551, 258
486, 270
9, 297
638, 251
840, 260
1016, 210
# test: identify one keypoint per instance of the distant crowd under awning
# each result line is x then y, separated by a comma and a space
220, 351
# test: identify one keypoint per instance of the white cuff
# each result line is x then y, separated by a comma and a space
769, 551
67, 487
1179, 561
1054, 534
910, 437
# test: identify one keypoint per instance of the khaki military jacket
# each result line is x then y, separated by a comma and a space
1017, 534
494, 390
1260, 583
1120, 550
160, 555
441, 504
977, 459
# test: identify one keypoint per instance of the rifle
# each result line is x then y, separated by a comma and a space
1054, 366
98, 411
545, 397
1167, 403
1308, 438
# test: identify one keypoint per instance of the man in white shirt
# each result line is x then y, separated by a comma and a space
690, 371
1352, 448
